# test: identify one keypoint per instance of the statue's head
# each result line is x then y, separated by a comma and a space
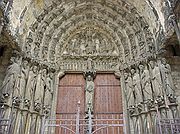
25, 63
44, 72
152, 64
133, 70
97, 41
126, 75
141, 67
51, 74
163, 60
35, 69
89, 78
12, 60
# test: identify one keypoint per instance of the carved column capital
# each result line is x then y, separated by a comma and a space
91, 73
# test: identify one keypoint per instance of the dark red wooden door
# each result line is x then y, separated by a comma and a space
71, 90
108, 103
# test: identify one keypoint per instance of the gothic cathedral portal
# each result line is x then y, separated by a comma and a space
89, 67
106, 110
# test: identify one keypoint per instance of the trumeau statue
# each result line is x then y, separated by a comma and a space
156, 79
137, 86
12, 77
146, 84
31, 85
89, 92
166, 73
129, 89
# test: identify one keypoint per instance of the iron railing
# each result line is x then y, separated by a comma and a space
5, 126
168, 126
85, 124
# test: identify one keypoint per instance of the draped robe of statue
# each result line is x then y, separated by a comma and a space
24, 77
146, 83
31, 84
48, 90
89, 93
12, 77
166, 73
156, 79
137, 86
129, 90
38, 98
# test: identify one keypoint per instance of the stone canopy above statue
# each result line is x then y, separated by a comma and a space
90, 42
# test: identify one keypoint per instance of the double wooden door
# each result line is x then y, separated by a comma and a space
107, 104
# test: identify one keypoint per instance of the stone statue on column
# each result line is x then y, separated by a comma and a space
24, 75
156, 79
39, 91
129, 89
89, 75
146, 83
89, 89
11, 79
31, 85
48, 92
137, 86
129, 92
166, 73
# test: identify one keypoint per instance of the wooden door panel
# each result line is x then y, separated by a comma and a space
107, 94
108, 99
71, 90
108, 103
68, 99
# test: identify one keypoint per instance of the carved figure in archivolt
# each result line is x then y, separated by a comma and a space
41, 85
156, 79
82, 47
48, 90
89, 93
166, 73
31, 85
137, 86
129, 89
12, 76
97, 44
146, 83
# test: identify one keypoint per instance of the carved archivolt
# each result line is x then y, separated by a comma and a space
63, 29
